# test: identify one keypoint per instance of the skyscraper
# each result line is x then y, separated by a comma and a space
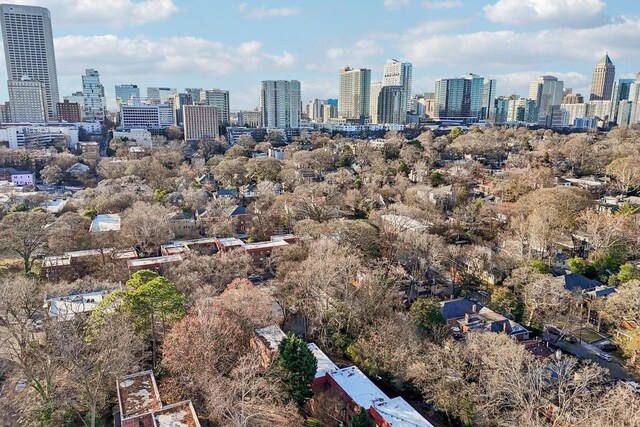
280, 103
398, 73
217, 98
28, 49
373, 104
28, 101
127, 94
459, 98
200, 122
621, 90
547, 92
602, 82
160, 95
489, 99
354, 97
391, 106
93, 93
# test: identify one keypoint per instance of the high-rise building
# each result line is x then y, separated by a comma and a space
488, 99
5, 112
547, 91
200, 122
620, 93
572, 98
329, 112
154, 118
127, 94
28, 49
160, 95
95, 104
28, 101
354, 100
195, 93
373, 104
68, 111
280, 103
251, 119
391, 107
217, 98
634, 97
459, 98
603, 77
398, 73
315, 109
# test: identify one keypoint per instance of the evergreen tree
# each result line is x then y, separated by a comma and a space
361, 419
297, 366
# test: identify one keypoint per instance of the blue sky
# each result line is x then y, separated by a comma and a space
235, 45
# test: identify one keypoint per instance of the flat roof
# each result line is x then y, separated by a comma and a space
154, 260
398, 413
179, 414
56, 261
105, 222
324, 363
279, 237
203, 241
175, 248
66, 307
138, 394
272, 334
230, 241
264, 245
359, 388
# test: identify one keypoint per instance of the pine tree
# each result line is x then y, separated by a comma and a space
297, 366
361, 419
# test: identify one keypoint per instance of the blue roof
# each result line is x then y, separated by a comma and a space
457, 308
574, 281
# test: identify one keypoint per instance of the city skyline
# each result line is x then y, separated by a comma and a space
129, 42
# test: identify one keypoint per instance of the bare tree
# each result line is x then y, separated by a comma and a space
24, 233
147, 226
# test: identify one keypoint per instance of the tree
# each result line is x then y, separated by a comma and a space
147, 226
361, 419
153, 302
24, 233
263, 169
425, 314
52, 174
231, 172
504, 301
626, 171
297, 367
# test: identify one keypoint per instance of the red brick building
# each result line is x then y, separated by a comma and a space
68, 111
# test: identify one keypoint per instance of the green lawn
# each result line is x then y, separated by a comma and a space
589, 335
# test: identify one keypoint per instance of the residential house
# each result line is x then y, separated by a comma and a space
203, 245
471, 316
140, 405
184, 224
64, 266
226, 193
239, 218
18, 178
77, 169
261, 250
105, 222
69, 306
153, 263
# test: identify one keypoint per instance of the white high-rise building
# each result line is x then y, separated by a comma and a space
398, 73
280, 103
28, 48
95, 103
373, 105
354, 100
217, 98
200, 122
28, 101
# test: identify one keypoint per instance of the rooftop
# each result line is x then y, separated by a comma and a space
398, 413
230, 241
457, 308
359, 388
138, 394
272, 335
65, 308
264, 245
105, 222
179, 414
154, 260
404, 222
324, 363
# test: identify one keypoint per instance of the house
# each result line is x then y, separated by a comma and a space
578, 282
203, 245
89, 147
261, 250
17, 177
77, 169
471, 316
174, 248
226, 193
402, 223
184, 224
153, 263
239, 218
307, 175
58, 265
266, 340
228, 243
140, 405
105, 222
136, 152
70, 306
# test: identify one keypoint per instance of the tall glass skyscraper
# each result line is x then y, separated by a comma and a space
28, 48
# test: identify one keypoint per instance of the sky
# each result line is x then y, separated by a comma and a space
235, 45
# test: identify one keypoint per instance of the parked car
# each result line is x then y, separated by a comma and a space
605, 356
553, 330
608, 347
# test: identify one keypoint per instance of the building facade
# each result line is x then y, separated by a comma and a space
376, 87
68, 112
220, 99
354, 102
398, 73
200, 122
280, 103
602, 82
488, 99
27, 101
160, 95
28, 49
391, 106
127, 94
154, 118
95, 104
459, 98
548, 93
250, 119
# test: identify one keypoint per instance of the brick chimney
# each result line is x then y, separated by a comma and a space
504, 327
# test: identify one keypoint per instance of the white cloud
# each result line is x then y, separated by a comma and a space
396, 4
265, 12
117, 12
357, 55
518, 82
442, 4
563, 12
524, 50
